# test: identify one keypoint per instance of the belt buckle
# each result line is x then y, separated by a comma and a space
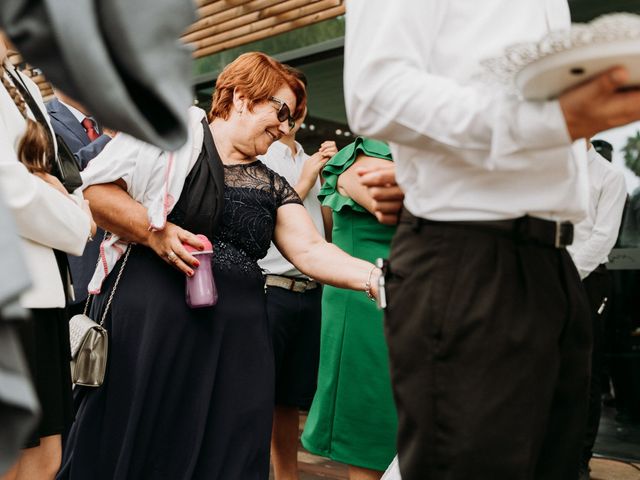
564, 234
298, 285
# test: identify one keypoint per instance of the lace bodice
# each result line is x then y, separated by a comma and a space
252, 195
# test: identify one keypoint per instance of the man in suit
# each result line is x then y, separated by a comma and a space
79, 130
85, 139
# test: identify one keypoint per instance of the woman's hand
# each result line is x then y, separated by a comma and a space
328, 148
374, 278
168, 245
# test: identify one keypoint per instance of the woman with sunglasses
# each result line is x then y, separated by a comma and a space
189, 392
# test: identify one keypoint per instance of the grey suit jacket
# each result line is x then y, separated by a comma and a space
73, 133
122, 59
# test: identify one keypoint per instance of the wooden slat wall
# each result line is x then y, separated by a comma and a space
225, 24
45, 87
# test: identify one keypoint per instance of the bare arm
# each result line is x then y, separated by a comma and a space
312, 167
349, 184
115, 211
327, 221
301, 244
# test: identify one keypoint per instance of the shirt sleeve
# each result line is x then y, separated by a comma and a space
606, 224
391, 94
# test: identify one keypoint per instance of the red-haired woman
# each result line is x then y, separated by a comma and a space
47, 219
189, 392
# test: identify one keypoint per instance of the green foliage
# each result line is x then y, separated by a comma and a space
632, 153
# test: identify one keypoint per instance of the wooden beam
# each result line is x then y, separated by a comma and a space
237, 20
229, 14
213, 7
271, 22
269, 32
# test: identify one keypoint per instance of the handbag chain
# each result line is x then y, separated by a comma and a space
113, 290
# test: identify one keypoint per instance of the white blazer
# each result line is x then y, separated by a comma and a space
45, 218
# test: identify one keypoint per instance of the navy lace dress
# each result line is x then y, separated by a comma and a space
188, 392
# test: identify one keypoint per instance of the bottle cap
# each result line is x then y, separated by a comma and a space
208, 247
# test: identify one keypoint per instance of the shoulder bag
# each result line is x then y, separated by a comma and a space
90, 341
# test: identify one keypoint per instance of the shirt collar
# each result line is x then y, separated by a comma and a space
76, 113
281, 149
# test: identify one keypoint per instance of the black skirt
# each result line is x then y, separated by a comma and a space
45, 341
188, 393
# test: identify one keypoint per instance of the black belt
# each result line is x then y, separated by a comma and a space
545, 232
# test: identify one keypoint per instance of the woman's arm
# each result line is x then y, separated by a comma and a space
299, 241
115, 211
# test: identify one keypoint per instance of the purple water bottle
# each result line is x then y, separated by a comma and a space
201, 289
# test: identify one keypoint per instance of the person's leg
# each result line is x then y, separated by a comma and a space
282, 312
359, 473
41, 462
474, 327
598, 287
566, 422
284, 442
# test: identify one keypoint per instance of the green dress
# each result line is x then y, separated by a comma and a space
353, 417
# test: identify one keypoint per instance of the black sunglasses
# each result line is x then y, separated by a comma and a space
283, 112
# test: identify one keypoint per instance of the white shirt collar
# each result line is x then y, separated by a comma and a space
279, 148
76, 113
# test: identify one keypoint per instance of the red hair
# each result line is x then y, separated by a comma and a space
258, 77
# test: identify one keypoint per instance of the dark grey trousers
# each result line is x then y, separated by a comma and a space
489, 341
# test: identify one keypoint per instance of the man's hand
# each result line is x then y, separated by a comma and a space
599, 104
386, 194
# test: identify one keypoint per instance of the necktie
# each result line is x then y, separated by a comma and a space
90, 128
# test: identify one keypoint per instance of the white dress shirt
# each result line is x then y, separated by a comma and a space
595, 236
154, 178
279, 159
463, 151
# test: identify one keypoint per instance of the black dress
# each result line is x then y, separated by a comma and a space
188, 392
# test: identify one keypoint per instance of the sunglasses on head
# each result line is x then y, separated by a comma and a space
283, 112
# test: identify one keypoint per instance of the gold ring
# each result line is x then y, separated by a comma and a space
172, 257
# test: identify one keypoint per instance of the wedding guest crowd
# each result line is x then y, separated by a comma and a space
490, 208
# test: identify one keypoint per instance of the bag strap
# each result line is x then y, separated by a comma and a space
113, 290
31, 102
115, 285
